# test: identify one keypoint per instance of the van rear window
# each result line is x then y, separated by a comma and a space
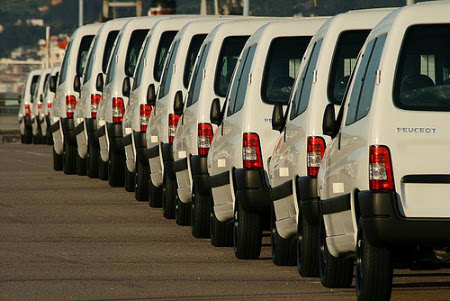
83, 53
65, 63
194, 48
422, 81
163, 47
134, 47
281, 68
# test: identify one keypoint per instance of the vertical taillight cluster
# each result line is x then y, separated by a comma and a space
380, 168
39, 108
95, 102
204, 138
71, 103
118, 109
173, 122
315, 150
49, 106
251, 151
27, 110
145, 111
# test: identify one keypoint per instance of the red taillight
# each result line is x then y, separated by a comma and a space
49, 106
173, 121
380, 168
95, 101
251, 151
204, 138
71, 103
27, 110
146, 110
118, 109
316, 149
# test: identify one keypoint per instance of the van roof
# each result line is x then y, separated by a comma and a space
89, 29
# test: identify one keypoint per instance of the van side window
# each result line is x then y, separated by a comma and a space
244, 79
65, 63
83, 51
228, 57
134, 47
344, 60
194, 47
304, 84
281, 68
161, 53
194, 91
168, 71
358, 82
235, 84
422, 81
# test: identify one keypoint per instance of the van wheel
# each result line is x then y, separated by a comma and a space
69, 158
141, 191
335, 272
283, 250
102, 169
308, 245
28, 136
247, 233
81, 165
92, 161
182, 212
373, 270
130, 180
57, 161
169, 191
116, 172
200, 219
34, 139
221, 232
49, 139
155, 195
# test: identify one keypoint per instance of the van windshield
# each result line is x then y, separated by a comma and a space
281, 68
65, 63
136, 40
194, 48
422, 81
83, 53
344, 61
228, 57
161, 53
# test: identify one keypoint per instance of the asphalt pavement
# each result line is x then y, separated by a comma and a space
74, 238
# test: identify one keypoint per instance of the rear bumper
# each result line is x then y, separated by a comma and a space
252, 190
382, 222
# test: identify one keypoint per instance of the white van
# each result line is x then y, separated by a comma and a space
67, 94
384, 181
25, 124
243, 143
36, 108
148, 76
91, 93
211, 78
326, 68
163, 121
111, 110
47, 105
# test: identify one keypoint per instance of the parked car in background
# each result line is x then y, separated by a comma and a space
327, 66
384, 181
47, 105
67, 95
36, 108
242, 145
25, 122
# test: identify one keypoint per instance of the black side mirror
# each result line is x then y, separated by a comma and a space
329, 124
77, 84
53, 84
215, 114
99, 83
178, 104
151, 95
126, 87
278, 118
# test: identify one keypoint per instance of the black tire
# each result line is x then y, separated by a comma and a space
28, 136
22, 139
57, 161
69, 158
182, 212
200, 214
308, 247
373, 270
283, 250
155, 195
221, 232
130, 180
169, 193
142, 182
34, 139
92, 161
49, 139
81, 166
335, 272
247, 233
116, 172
